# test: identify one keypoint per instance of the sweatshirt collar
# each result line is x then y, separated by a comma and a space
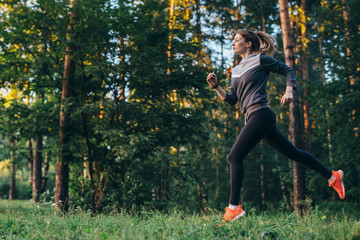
248, 57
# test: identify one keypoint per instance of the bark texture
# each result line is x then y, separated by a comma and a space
294, 128
63, 156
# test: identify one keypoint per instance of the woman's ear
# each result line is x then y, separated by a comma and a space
248, 44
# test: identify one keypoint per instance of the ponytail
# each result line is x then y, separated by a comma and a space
261, 42
268, 44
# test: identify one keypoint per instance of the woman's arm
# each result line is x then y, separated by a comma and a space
221, 92
212, 80
273, 65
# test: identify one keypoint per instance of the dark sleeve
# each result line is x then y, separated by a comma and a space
231, 97
273, 65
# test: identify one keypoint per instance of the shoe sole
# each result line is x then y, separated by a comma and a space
341, 173
239, 216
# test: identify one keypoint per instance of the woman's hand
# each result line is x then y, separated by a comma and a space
288, 96
212, 79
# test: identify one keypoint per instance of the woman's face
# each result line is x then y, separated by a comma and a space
239, 45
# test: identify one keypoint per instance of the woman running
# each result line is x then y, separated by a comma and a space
248, 89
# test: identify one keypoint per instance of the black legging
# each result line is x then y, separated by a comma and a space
262, 125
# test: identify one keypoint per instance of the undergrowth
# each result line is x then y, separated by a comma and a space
27, 220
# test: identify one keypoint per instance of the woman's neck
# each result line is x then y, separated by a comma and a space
246, 54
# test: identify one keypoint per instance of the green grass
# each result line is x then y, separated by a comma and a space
26, 220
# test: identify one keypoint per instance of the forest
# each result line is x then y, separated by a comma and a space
105, 103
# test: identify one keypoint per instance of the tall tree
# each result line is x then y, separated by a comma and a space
63, 156
327, 117
305, 73
30, 158
45, 175
37, 165
294, 128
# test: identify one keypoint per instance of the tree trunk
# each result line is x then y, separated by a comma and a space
262, 178
12, 192
93, 169
64, 156
349, 68
305, 77
345, 10
216, 160
164, 186
294, 128
326, 111
37, 165
30, 161
46, 171
306, 103
282, 184
38, 145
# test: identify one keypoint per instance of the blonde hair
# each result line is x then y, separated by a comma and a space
261, 42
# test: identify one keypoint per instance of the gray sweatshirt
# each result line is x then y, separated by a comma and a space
249, 80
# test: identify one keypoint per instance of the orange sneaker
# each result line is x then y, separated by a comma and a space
338, 183
233, 214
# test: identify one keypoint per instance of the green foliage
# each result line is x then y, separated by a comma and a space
23, 189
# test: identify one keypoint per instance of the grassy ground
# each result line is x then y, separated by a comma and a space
26, 220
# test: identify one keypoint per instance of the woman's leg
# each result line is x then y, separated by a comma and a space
280, 143
258, 126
